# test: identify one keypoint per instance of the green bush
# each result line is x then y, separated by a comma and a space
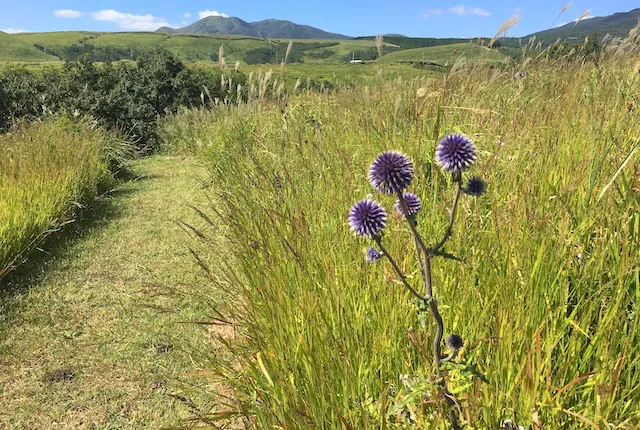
124, 96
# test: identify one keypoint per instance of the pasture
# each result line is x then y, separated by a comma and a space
211, 277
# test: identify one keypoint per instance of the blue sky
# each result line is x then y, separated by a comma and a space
425, 18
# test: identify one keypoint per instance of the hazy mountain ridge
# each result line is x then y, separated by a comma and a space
270, 28
617, 25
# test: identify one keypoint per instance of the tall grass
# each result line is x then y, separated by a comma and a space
47, 169
547, 296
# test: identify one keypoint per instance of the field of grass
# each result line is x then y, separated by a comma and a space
342, 75
545, 295
14, 49
448, 54
198, 48
95, 330
46, 169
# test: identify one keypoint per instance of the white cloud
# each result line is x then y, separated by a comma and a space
432, 12
463, 10
12, 30
67, 13
187, 15
129, 21
206, 13
460, 10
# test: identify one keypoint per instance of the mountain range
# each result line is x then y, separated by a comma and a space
618, 24
270, 28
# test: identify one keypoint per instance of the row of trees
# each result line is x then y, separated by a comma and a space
129, 97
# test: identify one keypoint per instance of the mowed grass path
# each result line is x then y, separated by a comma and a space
92, 337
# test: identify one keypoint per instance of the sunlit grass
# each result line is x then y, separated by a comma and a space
547, 295
46, 169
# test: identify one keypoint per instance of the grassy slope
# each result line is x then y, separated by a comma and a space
546, 297
341, 74
14, 49
187, 47
447, 54
108, 308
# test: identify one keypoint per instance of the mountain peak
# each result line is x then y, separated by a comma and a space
268, 28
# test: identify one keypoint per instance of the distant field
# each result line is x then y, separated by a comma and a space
341, 75
14, 49
448, 54
100, 47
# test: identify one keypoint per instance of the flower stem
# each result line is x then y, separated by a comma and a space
425, 266
395, 266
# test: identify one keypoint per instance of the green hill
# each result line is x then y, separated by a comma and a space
447, 54
14, 49
270, 28
617, 25
192, 47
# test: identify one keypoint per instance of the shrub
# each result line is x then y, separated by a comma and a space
124, 96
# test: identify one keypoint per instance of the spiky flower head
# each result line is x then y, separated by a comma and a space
413, 204
454, 342
367, 218
475, 186
391, 172
455, 153
372, 255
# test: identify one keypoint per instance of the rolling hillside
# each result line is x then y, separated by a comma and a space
271, 28
13, 48
447, 54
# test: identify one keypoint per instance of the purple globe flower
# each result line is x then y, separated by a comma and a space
372, 255
413, 204
391, 172
367, 218
454, 342
455, 153
475, 186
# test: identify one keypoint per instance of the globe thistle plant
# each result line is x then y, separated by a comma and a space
372, 255
413, 205
367, 218
392, 173
475, 187
455, 153
454, 342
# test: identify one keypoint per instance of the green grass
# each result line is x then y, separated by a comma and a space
341, 75
547, 294
199, 48
14, 49
107, 302
448, 54
46, 170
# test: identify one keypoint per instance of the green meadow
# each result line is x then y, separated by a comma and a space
545, 292
202, 273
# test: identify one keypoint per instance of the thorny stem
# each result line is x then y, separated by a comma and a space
425, 265
401, 275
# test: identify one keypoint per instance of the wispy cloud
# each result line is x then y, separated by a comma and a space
12, 30
67, 13
187, 15
460, 10
427, 13
463, 10
129, 21
206, 13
